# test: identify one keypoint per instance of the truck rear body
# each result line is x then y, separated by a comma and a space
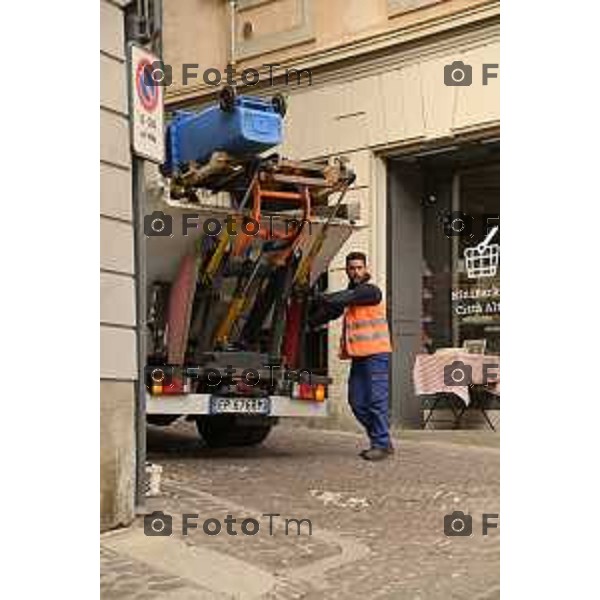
235, 249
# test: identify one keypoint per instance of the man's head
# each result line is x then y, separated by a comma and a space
356, 267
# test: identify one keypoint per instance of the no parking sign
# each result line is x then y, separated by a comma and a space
146, 102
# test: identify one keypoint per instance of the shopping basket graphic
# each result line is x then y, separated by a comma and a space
482, 260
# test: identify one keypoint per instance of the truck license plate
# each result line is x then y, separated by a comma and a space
253, 406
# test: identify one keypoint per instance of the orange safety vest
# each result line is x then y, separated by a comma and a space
365, 331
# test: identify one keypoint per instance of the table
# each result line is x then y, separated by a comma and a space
455, 371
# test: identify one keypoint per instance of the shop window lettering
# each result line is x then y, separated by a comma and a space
475, 293
476, 301
477, 308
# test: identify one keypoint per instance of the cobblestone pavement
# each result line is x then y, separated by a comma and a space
377, 528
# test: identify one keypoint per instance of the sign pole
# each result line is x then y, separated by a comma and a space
147, 143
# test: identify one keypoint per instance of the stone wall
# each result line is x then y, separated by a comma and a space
117, 279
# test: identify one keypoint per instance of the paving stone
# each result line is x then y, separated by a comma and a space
377, 528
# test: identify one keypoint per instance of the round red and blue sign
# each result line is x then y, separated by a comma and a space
147, 93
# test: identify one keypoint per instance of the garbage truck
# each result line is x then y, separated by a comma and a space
238, 243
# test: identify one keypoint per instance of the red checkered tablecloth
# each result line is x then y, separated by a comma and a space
433, 372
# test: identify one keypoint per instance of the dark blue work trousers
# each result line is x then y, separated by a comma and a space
368, 392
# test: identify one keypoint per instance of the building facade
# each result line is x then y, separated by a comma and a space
118, 368
421, 148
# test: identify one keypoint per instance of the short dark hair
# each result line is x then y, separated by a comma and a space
356, 256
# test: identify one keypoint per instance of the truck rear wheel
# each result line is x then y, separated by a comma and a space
220, 431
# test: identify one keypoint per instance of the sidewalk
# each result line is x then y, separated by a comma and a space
377, 528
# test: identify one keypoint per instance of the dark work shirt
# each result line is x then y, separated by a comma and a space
331, 306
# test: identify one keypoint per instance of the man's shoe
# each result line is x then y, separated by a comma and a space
375, 454
390, 450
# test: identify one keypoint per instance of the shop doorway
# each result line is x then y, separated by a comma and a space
440, 204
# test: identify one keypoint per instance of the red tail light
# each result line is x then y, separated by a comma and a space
306, 391
244, 388
175, 387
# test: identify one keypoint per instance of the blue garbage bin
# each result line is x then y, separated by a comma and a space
251, 126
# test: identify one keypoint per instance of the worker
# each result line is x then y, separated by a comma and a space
366, 341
